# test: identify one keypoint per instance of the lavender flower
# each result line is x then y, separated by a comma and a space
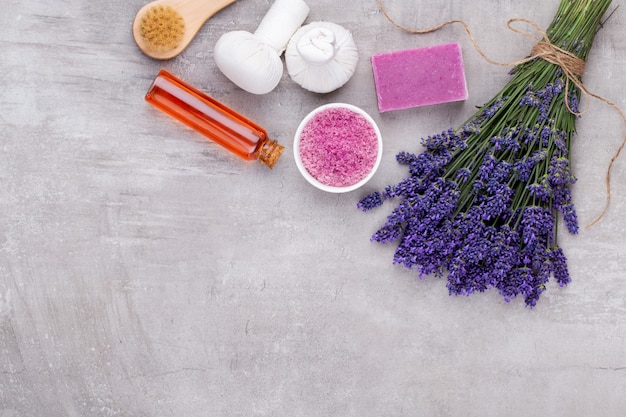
480, 204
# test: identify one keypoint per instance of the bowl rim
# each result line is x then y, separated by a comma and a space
312, 180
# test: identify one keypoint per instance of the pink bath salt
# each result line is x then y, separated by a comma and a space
338, 147
419, 77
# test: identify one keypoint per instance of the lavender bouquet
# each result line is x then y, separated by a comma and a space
481, 203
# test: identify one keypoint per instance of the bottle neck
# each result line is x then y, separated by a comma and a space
269, 152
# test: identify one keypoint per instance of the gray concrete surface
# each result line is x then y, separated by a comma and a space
147, 272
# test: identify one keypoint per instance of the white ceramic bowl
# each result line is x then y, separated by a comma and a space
301, 166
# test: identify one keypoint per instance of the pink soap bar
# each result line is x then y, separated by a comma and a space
419, 77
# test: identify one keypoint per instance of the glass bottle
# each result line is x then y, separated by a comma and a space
213, 119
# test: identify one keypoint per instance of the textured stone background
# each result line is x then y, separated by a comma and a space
146, 272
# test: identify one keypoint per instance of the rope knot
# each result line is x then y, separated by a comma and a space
572, 65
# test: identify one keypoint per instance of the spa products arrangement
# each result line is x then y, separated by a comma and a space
480, 206
164, 28
481, 203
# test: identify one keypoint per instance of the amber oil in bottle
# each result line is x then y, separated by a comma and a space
213, 119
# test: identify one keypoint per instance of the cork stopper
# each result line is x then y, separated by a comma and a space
269, 152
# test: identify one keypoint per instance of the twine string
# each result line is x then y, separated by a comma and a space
572, 66
566, 60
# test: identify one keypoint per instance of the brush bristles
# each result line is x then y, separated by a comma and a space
162, 28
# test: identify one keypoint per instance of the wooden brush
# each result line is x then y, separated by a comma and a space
164, 28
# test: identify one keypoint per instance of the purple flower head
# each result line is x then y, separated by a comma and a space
505, 143
546, 135
428, 164
424, 223
448, 140
518, 283
371, 201
408, 187
493, 194
559, 173
498, 203
487, 168
523, 168
569, 217
405, 158
390, 232
574, 100
530, 99
539, 156
395, 224
559, 262
542, 98
536, 227
561, 142
472, 127
541, 191
528, 136
463, 175
484, 259
491, 110
502, 172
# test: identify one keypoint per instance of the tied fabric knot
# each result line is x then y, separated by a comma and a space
573, 67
